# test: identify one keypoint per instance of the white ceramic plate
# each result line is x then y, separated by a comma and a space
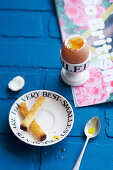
55, 117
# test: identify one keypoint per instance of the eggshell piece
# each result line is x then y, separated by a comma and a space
17, 83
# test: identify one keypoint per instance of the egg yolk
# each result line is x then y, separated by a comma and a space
55, 137
76, 43
91, 130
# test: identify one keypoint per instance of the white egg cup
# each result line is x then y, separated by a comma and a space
75, 74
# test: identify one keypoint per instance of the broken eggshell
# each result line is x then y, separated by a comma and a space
75, 56
17, 83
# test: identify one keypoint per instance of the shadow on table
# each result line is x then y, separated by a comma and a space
12, 94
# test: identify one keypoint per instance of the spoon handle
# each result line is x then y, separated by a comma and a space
77, 165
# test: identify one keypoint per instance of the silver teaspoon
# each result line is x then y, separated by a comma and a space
91, 130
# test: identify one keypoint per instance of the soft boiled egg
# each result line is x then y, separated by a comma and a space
75, 49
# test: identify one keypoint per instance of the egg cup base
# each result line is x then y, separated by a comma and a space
74, 79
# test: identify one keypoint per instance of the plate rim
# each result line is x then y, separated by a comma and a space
41, 144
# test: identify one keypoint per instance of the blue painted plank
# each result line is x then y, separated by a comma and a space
20, 24
54, 30
29, 53
109, 119
15, 154
94, 157
53, 158
54, 83
5, 106
27, 4
33, 81
83, 115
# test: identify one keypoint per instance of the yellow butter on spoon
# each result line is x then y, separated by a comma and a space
91, 130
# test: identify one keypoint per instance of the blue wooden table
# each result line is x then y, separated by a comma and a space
30, 43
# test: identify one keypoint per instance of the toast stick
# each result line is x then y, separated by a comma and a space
34, 125
31, 115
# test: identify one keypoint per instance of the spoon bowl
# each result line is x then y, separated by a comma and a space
93, 123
